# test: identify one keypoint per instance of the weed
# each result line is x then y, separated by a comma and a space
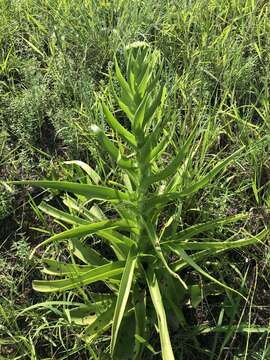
142, 279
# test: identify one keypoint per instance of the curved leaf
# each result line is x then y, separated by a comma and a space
193, 264
89, 171
115, 153
90, 191
117, 126
199, 228
100, 273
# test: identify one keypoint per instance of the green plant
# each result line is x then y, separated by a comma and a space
144, 267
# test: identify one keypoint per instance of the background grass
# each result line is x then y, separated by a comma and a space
54, 62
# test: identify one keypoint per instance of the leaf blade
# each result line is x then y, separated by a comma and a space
92, 191
100, 273
124, 290
166, 347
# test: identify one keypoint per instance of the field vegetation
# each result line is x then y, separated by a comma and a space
134, 177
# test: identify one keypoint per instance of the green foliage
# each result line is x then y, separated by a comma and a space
54, 62
144, 279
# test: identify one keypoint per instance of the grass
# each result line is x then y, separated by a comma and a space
54, 63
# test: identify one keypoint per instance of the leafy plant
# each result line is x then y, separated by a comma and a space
143, 269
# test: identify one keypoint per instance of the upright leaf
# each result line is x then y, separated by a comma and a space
124, 292
117, 126
166, 347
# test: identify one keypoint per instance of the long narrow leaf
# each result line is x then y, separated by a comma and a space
122, 81
90, 191
85, 230
166, 347
172, 167
164, 199
210, 245
101, 324
117, 126
149, 112
57, 268
124, 292
212, 173
86, 254
115, 153
89, 171
204, 254
139, 302
103, 272
209, 225
193, 264
61, 215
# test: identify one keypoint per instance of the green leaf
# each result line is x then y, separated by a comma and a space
201, 255
49, 305
124, 292
90, 191
196, 295
149, 112
86, 314
193, 230
100, 273
117, 126
121, 79
57, 268
89, 171
130, 72
101, 324
192, 263
126, 108
86, 230
164, 199
145, 77
172, 167
211, 174
86, 254
158, 251
166, 347
61, 215
120, 243
170, 287
139, 115
161, 146
210, 245
111, 235
115, 153
139, 302
145, 343
240, 328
